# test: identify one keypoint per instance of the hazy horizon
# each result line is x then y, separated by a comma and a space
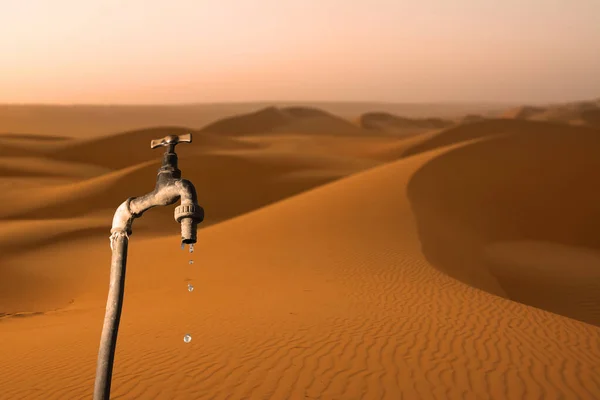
118, 52
266, 103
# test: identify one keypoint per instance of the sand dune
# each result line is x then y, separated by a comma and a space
371, 319
132, 147
495, 127
591, 117
15, 148
29, 137
83, 121
524, 112
279, 120
41, 166
387, 122
52, 285
530, 183
231, 180
23, 145
257, 186
470, 118
400, 148
577, 113
461, 263
535, 273
260, 121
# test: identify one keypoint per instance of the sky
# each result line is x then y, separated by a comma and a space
190, 51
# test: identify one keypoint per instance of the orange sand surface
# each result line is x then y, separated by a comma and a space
340, 258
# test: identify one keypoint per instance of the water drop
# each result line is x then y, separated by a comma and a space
187, 338
190, 287
191, 262
182, 246
191, 247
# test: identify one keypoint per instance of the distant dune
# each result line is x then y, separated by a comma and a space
524, 112
283, 120
591, 117
488, 128
577, 113
22, 137
469, 118
84, 121
132, 147
380, 121
24, 145
338, 260
10, 149
234, 176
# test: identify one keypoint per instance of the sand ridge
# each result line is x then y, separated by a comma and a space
84, 121
381, 121
303, 120
578, 113
531, 184
317, 277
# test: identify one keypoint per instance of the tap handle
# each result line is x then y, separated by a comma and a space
171, 141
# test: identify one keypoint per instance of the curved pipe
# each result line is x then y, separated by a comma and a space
163, 195
166, 192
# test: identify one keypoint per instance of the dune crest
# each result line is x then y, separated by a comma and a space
271, 120
30, 136
127, 148
382, 121
494, 127
576, 113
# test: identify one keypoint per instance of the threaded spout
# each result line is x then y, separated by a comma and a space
189, 216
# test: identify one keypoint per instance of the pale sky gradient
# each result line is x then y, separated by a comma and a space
155, 51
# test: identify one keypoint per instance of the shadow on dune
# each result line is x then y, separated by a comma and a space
591, 117
26, 145
531, 183
41, 241
10, 149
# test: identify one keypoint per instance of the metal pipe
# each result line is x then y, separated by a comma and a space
118, 243
169, 188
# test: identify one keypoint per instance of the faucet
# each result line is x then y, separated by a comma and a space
169, 188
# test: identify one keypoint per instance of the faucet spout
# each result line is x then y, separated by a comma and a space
189, 214
168, 190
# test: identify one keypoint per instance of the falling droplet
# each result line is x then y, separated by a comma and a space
191, 261
182, 246
187, 338
191, 247
190, 287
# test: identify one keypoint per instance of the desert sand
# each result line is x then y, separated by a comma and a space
373, 256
